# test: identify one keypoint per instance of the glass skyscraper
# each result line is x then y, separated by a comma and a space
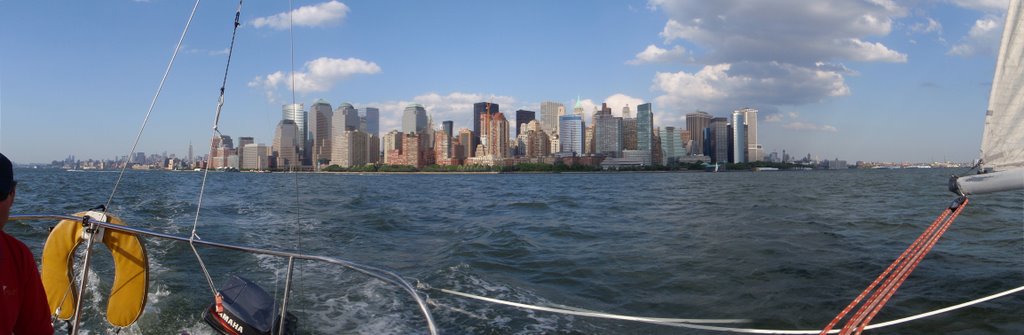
571, 138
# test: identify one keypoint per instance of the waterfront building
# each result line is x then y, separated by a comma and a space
645, 129
695, 124
448, 127
739, 137
755, 153
297, 114
494, 142
220, 148
414, 119
255, 157
656, 152
392, 142
607, 132
671, 147
719, 140
372, 117
550, 112
350, 148
242, 142
686, 142
588, 139
629, 130
480, 109
285, 148
571, 137
320, 124
444, 150
465, 140
522, 118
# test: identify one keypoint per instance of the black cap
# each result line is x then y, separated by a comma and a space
6, 176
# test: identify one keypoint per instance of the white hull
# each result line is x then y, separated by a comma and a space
1008, 180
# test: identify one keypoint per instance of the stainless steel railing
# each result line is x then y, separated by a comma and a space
374, 272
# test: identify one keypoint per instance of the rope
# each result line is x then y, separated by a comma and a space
206, 172
700, 323
903, 266
152, 104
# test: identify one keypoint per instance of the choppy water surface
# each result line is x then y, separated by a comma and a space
785, 249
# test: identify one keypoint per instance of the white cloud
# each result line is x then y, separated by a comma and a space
983, 38
984, 5
722, 87
319, 15
320, 75
654, 54
871, 52
619, 100
810, 126
773, 118
931, 26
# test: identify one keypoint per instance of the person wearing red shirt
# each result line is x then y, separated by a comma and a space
23, 306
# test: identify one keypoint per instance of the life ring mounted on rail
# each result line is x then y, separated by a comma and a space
131, 269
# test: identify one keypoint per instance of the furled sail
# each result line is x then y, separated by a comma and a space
1002, 143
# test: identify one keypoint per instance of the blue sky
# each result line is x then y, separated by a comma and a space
873, 80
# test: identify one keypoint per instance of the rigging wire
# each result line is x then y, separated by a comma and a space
702, 323
152, 104
206, 172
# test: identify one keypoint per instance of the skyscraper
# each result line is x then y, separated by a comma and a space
523, 117
320, 121
285, 148
349, 117
754, 151
571, 138
644, 126
414, 119
607, 132
448, 126
719, 141
372, 116
629, 135
671, 147
549, 113
297, 114
739, 137
695, 123
479, 109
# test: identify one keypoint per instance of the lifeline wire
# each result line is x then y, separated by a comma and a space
700, 323
152, 103
206, 172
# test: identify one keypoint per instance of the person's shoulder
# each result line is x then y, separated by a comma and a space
12, 242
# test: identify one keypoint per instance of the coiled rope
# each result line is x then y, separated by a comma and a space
206, 172
896, 273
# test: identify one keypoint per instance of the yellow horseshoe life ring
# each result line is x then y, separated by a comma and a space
131, 270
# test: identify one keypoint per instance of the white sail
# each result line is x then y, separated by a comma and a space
1002, 144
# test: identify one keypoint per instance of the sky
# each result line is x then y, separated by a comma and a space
871, 80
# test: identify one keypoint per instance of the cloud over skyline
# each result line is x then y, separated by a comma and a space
319, 15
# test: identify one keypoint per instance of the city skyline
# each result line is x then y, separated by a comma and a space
888, 65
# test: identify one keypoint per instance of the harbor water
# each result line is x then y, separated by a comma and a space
786, 250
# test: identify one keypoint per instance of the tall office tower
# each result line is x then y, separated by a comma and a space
414, 119
494, 135
522, 118
629, 131
685, 142
657, 157
754, 151
444, 149
372, 149
191, 156
465, 140
480, 109
607, 133
448, 127
220, 148
346, 117
671, 147
242, 142
644, 126
349, 148
739, 137
588, 139
392, 143
578, 108
297, 113
549, 116
719, 140
285, 147
255, 157
372, 116
571, 137
695, 123
321, 116
537, 143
